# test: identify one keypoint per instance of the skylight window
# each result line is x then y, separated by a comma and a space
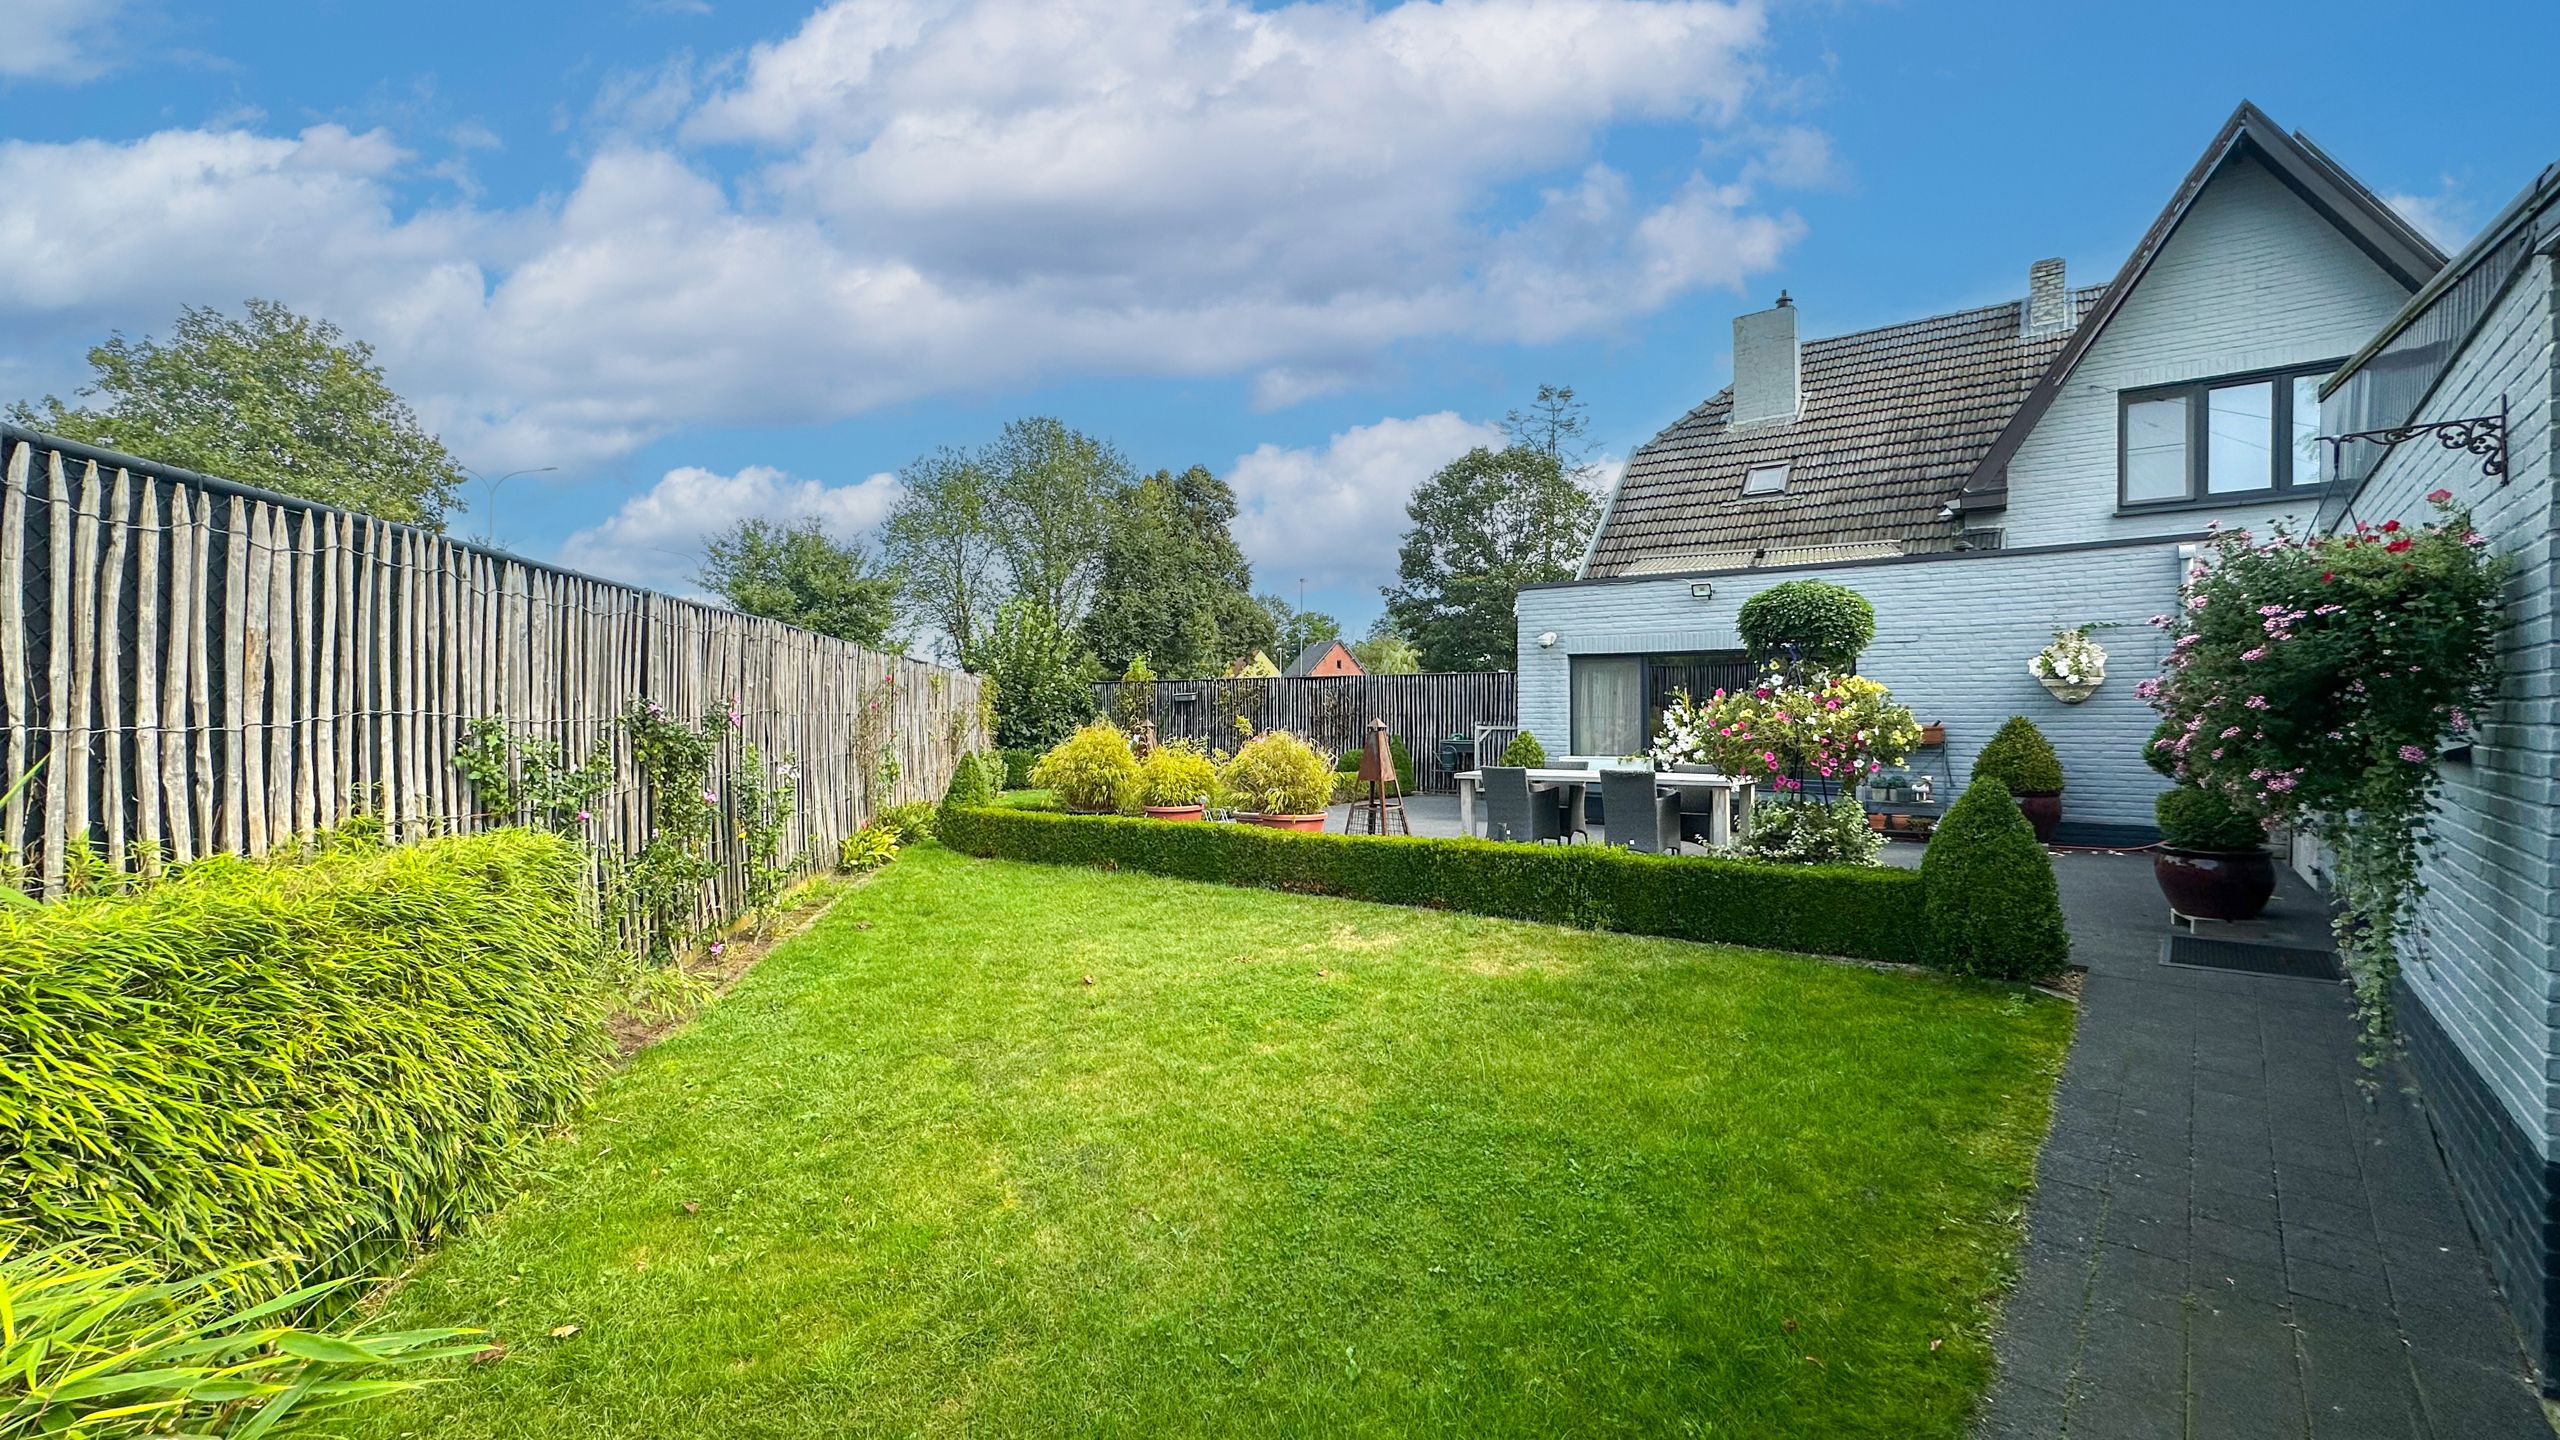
1765, 479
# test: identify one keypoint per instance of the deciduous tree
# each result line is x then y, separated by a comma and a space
801, 575
1488, 523
1173, 586
270, 398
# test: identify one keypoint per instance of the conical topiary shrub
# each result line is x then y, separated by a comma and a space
1988, 894
2020, 758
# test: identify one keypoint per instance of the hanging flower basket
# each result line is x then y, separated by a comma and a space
2071, 668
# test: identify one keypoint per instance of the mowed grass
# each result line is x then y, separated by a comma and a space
1003, 1149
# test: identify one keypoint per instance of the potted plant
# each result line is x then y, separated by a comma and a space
1890, 787
1281, 782
1933, 733
2021, 758
1092, 772
2211, 862
2071, 668
1176, 781
1524, 750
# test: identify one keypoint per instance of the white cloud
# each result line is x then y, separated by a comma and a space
1335, 514
656, 538
2444, 217
951, 198
64, 40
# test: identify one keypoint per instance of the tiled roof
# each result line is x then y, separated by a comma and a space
1892, 423
1310, 657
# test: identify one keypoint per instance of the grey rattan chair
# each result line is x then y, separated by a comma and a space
1514, 809
1641, 816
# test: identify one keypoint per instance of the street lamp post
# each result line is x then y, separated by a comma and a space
489, 529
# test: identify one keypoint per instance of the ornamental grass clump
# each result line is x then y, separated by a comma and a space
2312, 680
1276, 773
1788, 730
1093, 770
326, 1060
1989, 900
1177, 773
2020, 758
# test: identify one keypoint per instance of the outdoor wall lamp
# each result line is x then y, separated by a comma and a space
1702, 590
1547, 641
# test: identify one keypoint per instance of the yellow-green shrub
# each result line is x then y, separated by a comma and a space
1176, 773
1277, 773
322, 1060
1093, 769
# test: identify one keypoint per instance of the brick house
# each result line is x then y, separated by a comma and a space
1325, 658
1988, 476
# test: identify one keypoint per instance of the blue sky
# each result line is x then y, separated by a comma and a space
710, 258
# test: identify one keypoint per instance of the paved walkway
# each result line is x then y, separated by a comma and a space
2226, 1240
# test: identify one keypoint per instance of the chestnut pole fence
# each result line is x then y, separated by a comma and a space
1333, 712
190, 666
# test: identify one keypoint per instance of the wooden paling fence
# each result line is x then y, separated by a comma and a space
190, 666
1333, 711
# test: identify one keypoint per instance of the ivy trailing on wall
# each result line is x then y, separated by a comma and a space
2314, 680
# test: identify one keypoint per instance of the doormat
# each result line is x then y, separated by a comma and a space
2204, 952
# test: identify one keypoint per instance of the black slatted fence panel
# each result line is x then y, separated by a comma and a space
1333, 712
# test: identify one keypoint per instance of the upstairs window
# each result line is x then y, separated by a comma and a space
1765, 479
2214, 441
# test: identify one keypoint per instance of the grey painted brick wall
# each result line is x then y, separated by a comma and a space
2252, 280
2482, 962
1953, 635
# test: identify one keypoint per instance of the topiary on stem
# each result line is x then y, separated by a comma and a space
1812, 623
1988, 892
2194, 818
2020, 758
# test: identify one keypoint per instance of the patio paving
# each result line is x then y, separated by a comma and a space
2227, 1239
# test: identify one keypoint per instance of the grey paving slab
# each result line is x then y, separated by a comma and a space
2228, 1239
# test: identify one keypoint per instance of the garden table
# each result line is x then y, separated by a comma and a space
1732, 796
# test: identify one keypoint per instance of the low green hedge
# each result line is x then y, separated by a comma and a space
1869, 913
318, 1060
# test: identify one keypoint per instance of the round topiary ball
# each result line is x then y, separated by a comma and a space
1821, 624
2021, 758
1524, 750
1988, 894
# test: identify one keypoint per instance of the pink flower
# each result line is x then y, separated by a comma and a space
2438, 497
2413, 754
584, 817
2256, 702
2474, 537
716, 948
2195, 602
2227, 732
2258, 653
710, 799
2280, 783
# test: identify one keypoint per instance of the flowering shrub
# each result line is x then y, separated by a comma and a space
2311, 679
1811, 832
2072, 659
661, 884
1787, 730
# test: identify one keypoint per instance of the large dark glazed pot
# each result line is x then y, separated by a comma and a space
2215, 884
2043, 809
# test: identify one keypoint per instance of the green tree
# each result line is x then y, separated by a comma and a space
1051, 492
1173, 585
942, 545
798, 574
1558, 424
272, 399
1387, 653
1488, 523
1293, 630
1044, 679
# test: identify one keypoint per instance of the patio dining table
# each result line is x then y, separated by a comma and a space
1732, 795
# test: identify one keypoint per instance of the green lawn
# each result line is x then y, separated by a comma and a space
1285, 1166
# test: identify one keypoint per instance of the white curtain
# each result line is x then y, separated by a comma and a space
1608, 704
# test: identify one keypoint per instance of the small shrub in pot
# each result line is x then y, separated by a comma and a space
1524, 749
2022, 760
1281, 780
2213, 863
1176, 781
1093, 771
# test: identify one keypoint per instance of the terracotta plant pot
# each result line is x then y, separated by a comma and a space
1875, 822
1933, 734
2215, 884
2043, 810
1303, 824
1175, 812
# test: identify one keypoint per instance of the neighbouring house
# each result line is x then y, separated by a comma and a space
2480, 1001
1256, 663
1324, 657
1988, 476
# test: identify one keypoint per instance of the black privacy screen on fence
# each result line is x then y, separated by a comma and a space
1333, 712
190, 666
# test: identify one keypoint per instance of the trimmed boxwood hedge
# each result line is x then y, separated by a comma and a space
1868, 913
323, 1060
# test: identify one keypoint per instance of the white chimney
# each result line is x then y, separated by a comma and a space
2048, 299
1767, 378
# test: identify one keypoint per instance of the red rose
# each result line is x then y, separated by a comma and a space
2326, 576
2388, 526
2396, 546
